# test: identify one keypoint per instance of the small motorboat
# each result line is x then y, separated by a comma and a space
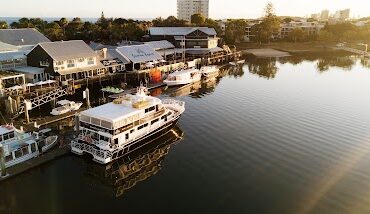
183, 77
65, 106
112, 90
209, 71
50, 142
236, 63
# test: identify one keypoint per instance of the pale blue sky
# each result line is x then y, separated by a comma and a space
164, 8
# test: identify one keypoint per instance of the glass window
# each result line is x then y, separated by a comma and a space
81, 60
18, 153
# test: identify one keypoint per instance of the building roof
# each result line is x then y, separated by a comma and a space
139, 53
65, 50
29, 70
160, 45
22, 37
7, 47
180, 31
11, 55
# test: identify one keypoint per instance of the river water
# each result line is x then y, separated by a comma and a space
277, 136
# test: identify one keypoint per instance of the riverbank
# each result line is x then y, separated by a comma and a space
292, 48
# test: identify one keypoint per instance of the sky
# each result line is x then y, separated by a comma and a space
219, 9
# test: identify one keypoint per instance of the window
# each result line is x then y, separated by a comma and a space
116, 141
59, 62
33, 147
127, 135
154, 121
71, 64
90, 61
149, 109
81, 60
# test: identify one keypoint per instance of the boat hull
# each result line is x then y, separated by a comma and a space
137, 144
185, 82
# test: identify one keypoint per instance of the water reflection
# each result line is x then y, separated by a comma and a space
263, 67
127, 172
268, 68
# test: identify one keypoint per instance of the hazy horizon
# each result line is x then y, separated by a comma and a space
219, 9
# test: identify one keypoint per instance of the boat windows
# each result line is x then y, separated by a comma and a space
25, 150
116, 141
103, 138
18, 153
154, 121
142, 126
132, 131
9, 158
127, 136
149, 109
164, 118
33, 147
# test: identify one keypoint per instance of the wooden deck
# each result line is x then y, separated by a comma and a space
42, 159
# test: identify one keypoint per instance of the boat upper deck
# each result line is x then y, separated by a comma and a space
120, 112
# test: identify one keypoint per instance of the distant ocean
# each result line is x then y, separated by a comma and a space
9, 20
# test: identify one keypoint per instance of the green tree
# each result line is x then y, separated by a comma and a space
269, 27
297, 35
198, 19
3, 25
63, 22
325, 36
53, 31
235, 31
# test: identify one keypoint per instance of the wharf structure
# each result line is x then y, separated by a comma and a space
35, 69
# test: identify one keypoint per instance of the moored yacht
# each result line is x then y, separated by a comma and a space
65, 106
183, 77
209, 71
110, 131
20, 146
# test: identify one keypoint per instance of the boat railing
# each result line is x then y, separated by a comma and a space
91, 149
174, 103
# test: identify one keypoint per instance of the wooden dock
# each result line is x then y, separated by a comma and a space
356, 51
42, 159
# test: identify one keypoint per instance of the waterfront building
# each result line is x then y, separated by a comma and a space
187, 8
310, 28
15, 44
342, 15
65, 60
139, 57
194, 41
24, 38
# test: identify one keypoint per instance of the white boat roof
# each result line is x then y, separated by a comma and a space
64, 102
112, 112
4, 130
183, 72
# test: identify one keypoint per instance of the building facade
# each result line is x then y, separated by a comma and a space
187, 8
66, 60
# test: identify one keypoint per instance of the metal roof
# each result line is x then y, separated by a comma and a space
65, 50
115, 54
180, 31
160, 45
11, 55
28, 69
21, 37
7, 47
139, 53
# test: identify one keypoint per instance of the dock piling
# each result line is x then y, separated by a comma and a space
2, 161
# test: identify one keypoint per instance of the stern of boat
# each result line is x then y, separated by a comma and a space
176, 105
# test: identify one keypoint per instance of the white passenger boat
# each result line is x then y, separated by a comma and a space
183, 77
112, 130
209, 71
240, 62
20, 146
65, 106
